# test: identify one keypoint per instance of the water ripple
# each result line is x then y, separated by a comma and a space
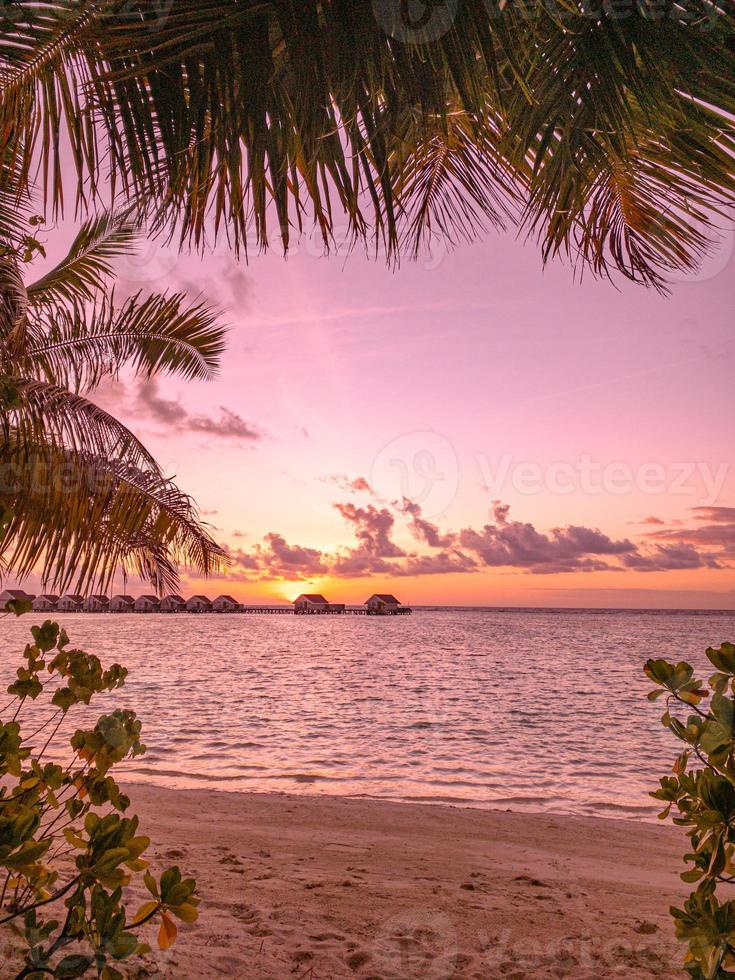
496, 708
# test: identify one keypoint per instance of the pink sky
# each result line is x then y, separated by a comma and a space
461, 379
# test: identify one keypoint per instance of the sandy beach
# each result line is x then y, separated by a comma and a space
322, 887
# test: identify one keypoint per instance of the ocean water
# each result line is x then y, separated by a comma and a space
518, 709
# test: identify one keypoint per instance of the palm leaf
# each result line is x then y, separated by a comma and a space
102, 516
47, 414
255, 115
451, 184
80, 274
157, 333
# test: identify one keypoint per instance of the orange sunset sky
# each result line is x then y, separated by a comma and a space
466, 429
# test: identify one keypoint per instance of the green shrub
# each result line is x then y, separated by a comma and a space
702, 792
67, 851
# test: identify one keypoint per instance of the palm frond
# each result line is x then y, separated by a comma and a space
43, 74
81, 274
156, 333
451, 182
78, 518
47, 414
628, 130
253, 115
13, 304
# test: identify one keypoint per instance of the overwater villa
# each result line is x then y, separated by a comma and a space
225, 604
147, 604
96, 604
122, 604
173, 604
45, 603
383, 604
70, 603
310, 604
12, 595
198, 604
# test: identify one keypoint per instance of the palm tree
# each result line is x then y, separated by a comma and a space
606, 131
80, 495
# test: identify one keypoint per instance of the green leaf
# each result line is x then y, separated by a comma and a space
691, 876
75, 965
151, 885
29, 852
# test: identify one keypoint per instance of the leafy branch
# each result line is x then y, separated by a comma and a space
65, 842
704, 799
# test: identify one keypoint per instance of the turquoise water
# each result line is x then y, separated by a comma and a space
521, 709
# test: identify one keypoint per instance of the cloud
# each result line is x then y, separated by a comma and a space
718, 515
668, 558
170, 413
288, 561
243, 560
274, 559
358, 485
356, 564
229, 425
501, 543
514, 544
373, 527
424, 530
442, 563
714, 530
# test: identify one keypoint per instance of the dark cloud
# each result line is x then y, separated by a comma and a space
170, 413
243, 560
229, 425
500, 512
507, 543
373, 527
714, 530
501, 543
289, 561
424, 530
442, 563
715, 515
355, 564
666, 558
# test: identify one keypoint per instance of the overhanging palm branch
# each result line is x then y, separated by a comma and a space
83, 271
254, 113
150, 334
47, 413
84, 493
641, 184
142, 523
452, 182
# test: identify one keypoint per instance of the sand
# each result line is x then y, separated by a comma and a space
321, 887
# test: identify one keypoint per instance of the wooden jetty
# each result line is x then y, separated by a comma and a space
344, 611
306, 605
